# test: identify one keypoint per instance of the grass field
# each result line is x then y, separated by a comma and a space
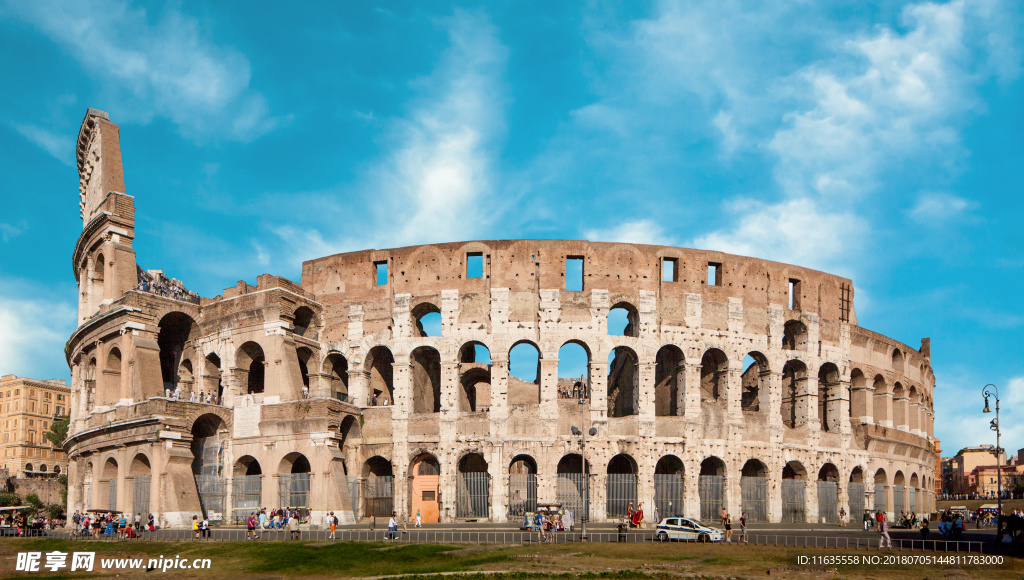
241, 560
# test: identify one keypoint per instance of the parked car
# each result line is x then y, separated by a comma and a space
687, 530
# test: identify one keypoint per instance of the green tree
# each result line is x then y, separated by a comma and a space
33, 501
58, 432
9, 499
55, 510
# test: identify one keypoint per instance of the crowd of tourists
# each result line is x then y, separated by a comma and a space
125, 526
280, 519
25, 524
168, 290
210, 398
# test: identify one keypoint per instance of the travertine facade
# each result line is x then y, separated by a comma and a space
332, 397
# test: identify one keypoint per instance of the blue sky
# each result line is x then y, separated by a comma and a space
879, 141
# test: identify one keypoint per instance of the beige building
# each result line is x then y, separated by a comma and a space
27, 408
736, 382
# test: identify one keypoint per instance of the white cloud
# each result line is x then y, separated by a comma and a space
936, 206
54, 144
635, 232
32, 335
961, 422
8, 231
162, 66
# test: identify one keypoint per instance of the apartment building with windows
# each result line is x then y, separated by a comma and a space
27, 409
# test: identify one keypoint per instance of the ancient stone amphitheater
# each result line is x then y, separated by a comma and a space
447, 379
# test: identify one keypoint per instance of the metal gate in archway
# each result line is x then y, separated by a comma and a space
711, 489
855, 493
793, 502
522, 493
754, 493
140, 495
246, 492
620, 490
828, 502
880, 505
473, 495
379, 496
913, 500
208, 475
573, 494
898, 497
293, 489
668, 494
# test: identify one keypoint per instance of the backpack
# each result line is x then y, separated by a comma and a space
335, 520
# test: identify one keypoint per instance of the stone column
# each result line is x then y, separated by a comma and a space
692, 372
549, 392
598, 392
499, 396
498, 469
359, 387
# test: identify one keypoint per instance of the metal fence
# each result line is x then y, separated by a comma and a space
754, 495
573, 493
898, 499
246, 494
620, 490
211, 493
855, 491
293, 490
828, 502
668, 494
711, 489
880, 504
522, 493
112, 494
378, 496
353, 495
793, 505
140, 495
473, 495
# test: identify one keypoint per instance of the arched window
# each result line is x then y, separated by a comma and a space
669, 381
426, 380
623, 382
524, 374
623, 320
427, 317
574, 371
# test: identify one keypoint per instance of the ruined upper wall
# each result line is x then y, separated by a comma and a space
100, 170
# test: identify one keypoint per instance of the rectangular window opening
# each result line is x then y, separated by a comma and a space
475, 265
428, 495
794, 294
381, 272
669, 270
574, 273
714, 274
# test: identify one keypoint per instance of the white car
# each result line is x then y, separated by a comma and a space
677, 528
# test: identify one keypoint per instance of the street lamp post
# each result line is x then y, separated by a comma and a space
994, 425
582, 434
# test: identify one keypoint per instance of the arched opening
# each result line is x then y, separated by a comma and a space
881, 483
524, 374
858, 396
349, 430
794, 487
623, 320
305, 355
424, 496
108, 482
899, 406
252, 364
794, 335
755, 381
794, 394
213, 376
881, 402
426, 380
912, 493
711, 488
380, 363
754, 490
294, 481
620, 486
378, 487
669, 486
335, 369
473, 491
574, 371
855, 493
669, 380
573, 486
89, 379
714, 367
828, 494
139, 470
111, 391
830, 397
428, 319
209, 435
897, 360
899, 495
247, 488
913, 409
177, 330
522, 486
623, 382
304, 322
474, 377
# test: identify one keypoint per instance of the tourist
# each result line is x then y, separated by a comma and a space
638, 516
539, 522
392, 528
724, 514
727, 521
842, 517
743, 527
867, 520
549, 527
569, 520
332, 524
191, 396
263, 519
293, 527
250, 525
924, 528
152, 523
883, 528
656, 518
138, 522
195, 526
204, 527
419, 519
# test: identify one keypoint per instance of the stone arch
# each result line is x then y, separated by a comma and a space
794, 470
335, 369
830, 397
247, 465
573, 385
754, 468
349, 430
213, 376
882, 398
522, 391
110, 391
669, 381
379, 365
712, 487
624, 310
425, 472
251, 364
754, 490
621, 485
897, 360
794, 390
523, 464
913, 409
858, 394
899, 405
857, 475
794, 335
474, 377
108, 482
754, 379
294, 462
713, 366
828, 472
426, 380
305, 356
422, 310
139, 465
623, 382
177, 330
304, 322
669, 486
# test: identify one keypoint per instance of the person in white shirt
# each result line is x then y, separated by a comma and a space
392, 527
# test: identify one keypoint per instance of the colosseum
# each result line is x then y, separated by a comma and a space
434, 379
